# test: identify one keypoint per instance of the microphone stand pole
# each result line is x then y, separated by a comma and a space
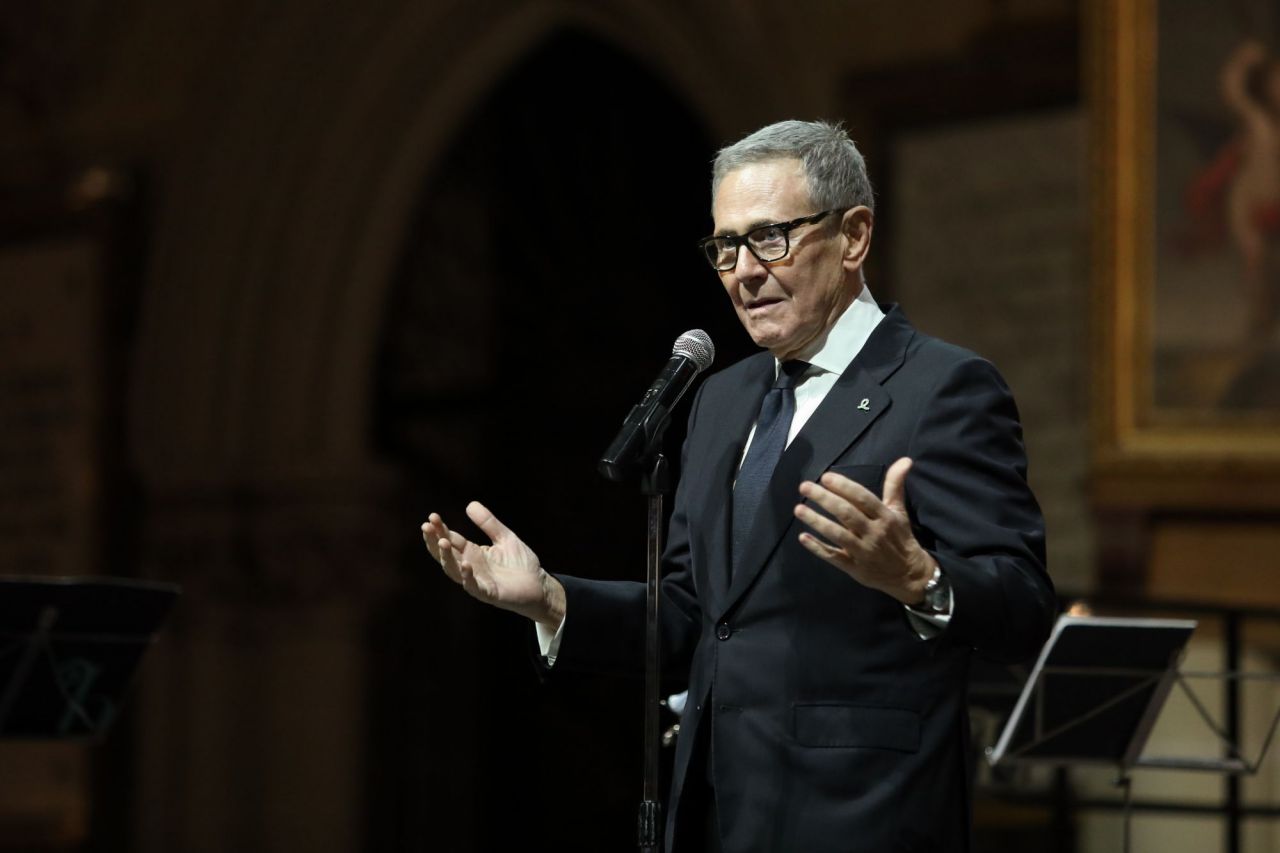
653, 484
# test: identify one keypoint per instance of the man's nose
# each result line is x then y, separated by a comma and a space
748, 267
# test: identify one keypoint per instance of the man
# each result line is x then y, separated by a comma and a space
822, 604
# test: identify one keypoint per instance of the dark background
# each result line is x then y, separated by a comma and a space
277, 279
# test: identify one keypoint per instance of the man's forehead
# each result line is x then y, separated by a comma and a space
759, 193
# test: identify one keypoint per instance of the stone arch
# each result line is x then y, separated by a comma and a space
505, 358
278, 238
282, 213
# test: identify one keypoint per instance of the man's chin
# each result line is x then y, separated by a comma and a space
765, 341
780, 346
766, 335
783, 346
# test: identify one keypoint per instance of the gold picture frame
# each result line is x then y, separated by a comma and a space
1175, 427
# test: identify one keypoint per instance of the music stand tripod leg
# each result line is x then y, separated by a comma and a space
37, 642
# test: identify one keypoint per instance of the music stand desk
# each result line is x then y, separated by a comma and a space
69, 648
1095, 692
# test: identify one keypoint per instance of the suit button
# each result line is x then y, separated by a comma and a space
723, 631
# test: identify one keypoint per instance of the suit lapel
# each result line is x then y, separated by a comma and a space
857, 400
734, 424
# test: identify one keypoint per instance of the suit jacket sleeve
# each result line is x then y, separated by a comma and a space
973, 511
604, 624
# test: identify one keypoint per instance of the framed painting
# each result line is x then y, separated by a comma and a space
1185, 103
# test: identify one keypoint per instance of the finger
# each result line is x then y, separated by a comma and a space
430, 539
449, 560
433, 529
468, 579
472, 565
457, 540
828, 529
853, 492
439, 530
487, 521
895, 484
848, 515
821, 549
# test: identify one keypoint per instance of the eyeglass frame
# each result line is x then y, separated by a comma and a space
740, 240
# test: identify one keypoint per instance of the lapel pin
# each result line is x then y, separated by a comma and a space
865, 405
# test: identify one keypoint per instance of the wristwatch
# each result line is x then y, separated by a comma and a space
937, 594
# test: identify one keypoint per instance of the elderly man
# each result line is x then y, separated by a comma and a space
852, 522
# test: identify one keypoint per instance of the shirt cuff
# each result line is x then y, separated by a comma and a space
926, 624
549, 641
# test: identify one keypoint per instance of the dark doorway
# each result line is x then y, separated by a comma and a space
549, 268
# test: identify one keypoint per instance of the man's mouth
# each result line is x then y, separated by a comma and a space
761, 304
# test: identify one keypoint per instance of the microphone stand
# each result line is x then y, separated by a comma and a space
654, 483
638, 447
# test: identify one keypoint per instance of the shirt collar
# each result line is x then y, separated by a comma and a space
834, 349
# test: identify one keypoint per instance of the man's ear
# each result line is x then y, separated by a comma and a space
856, 226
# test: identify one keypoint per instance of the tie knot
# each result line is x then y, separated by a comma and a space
790, 373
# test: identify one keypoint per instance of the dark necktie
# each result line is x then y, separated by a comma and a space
776, 411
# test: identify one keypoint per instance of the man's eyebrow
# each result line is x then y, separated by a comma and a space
751, 226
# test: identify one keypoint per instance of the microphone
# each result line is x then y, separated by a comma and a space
693, 353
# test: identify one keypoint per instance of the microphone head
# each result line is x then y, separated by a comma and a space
696, 346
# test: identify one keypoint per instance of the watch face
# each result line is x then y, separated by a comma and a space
937, 593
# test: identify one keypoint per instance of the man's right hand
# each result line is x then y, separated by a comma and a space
506, 573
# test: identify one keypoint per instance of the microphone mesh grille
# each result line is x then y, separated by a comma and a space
696, 346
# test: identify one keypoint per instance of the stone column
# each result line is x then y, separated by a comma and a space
250, 719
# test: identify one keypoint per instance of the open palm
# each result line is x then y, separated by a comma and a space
505, 573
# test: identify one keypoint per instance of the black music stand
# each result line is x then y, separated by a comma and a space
1095, 692
1094, 696
69, 648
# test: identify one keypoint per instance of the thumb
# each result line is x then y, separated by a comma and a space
487, 522
895, 489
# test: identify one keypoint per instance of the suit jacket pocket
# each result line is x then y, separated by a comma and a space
832, 725
870, 476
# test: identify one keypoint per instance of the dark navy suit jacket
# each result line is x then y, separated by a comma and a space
833, 725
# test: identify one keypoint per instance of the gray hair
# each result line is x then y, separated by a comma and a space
833, 166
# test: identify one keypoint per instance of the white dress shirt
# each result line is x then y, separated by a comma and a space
828, 356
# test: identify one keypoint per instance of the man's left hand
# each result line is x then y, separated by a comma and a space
866, 537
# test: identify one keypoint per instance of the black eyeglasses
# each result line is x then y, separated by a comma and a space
768, 242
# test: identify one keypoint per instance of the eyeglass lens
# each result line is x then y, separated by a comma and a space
768, 244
